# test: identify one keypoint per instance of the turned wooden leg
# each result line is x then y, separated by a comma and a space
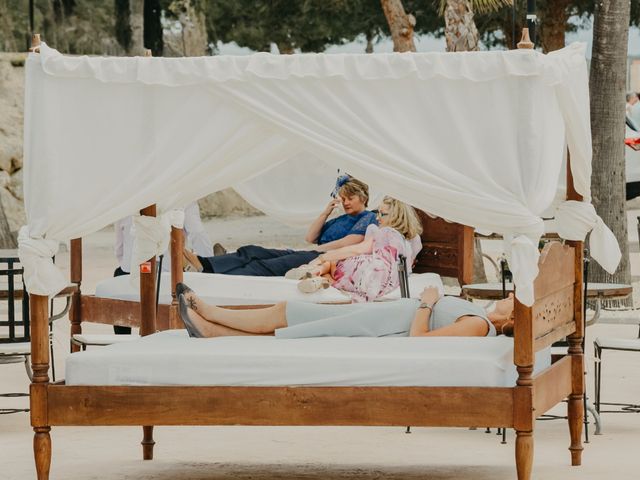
576, 418
42, 451
576, 400
147, 443
524, 454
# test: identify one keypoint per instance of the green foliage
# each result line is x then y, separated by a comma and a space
307, 25
101, 26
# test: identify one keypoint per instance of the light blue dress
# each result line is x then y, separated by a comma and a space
379, 319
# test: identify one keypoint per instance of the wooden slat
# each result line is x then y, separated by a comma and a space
556, 267
119, 312
552, 386
559, 333
554, 310
372, 406
447, 249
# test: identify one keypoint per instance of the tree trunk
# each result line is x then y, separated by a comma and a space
153, 27
123, 24
607, 86
460, 30
462, 36
553, 22
401, 25
136, 22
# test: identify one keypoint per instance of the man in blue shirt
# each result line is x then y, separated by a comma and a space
347, 229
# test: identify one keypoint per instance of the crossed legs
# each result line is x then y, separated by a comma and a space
213, 321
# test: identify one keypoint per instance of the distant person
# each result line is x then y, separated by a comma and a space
632, 99
633, 108
347, 229
195, 236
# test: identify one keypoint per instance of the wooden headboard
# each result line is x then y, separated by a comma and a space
447, 249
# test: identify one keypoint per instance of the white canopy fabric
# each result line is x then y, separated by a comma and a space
105, 137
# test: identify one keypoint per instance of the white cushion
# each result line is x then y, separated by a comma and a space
103, 339
22, 348
618, 343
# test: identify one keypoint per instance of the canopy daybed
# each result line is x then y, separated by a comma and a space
182, 127
447, 250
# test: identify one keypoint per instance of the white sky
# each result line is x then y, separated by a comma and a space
431, 44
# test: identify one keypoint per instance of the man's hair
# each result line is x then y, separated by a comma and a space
355, 187
403, 218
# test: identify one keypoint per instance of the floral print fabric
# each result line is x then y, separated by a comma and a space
370, 276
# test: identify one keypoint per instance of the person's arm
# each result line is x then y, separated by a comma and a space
316, 227
364, 247
351, 239
420, 324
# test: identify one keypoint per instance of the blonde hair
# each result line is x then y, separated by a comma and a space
402, 217
355, 187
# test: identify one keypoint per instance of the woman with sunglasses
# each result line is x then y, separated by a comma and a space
369, 269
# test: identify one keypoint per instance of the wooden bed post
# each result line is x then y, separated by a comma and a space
39, 308
576, 340
177, 245
523, 414
148, 312
524, 358
75, 314
39, 311
148, 322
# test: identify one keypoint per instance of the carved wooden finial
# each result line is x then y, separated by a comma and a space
147, 53
525, 41
35, 43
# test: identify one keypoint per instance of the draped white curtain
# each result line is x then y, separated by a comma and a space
476, 138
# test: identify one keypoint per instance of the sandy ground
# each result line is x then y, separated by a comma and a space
261, 453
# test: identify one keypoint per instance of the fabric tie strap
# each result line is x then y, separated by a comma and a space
41, 275
523, 255
175, 218
574, 220
150, 238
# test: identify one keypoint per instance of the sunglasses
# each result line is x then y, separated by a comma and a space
380, 214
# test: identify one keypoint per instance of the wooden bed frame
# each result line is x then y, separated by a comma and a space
447, 249
556, 313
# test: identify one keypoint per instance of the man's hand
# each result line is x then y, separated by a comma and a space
335, 202
430, 295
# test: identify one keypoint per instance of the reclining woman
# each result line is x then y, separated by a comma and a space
433, 315
369, 269
347, 229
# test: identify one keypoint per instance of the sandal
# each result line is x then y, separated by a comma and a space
191, 261
298, 273
192, 330
313, 284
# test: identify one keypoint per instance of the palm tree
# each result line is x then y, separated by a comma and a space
460, 30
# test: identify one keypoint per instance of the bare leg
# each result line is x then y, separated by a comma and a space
211, 329
253, 321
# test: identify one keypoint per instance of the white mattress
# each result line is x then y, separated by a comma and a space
172, 358
243, 290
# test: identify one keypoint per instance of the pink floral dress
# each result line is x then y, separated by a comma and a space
367, 277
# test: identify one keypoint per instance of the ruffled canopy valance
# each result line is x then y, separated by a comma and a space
476, 138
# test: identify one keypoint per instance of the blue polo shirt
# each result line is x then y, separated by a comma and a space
344, 225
